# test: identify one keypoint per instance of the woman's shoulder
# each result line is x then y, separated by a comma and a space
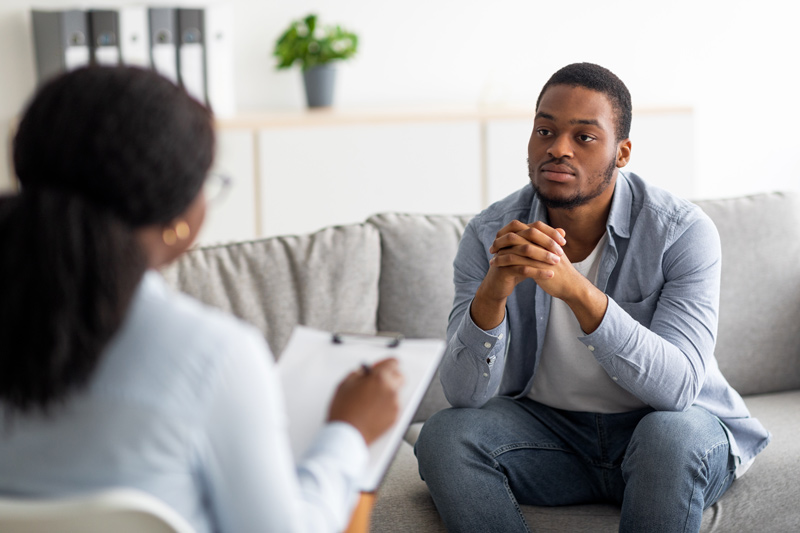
172, 344
187, 314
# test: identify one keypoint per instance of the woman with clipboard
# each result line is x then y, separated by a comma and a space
108, 378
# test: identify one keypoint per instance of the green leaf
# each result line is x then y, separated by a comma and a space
298, 44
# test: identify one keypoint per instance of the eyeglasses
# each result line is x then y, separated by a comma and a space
216, 187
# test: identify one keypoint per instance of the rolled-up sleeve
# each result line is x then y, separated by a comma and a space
664, 361
474, 361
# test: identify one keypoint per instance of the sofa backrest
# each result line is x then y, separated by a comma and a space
326, 280
758, 344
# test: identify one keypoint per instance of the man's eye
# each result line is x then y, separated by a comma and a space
543, 132
586, 138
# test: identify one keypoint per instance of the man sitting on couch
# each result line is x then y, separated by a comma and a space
580, 360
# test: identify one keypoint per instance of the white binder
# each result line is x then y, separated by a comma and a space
134, 36
220, 92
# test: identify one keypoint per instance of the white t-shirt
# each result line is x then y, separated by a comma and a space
568, 376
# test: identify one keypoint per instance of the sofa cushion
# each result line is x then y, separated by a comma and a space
416, 295
326, 280
758, 346
764, 499
431, 241
403, 503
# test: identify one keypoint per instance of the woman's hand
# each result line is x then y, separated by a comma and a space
368, 399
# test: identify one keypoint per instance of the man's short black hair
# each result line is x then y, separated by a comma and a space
598, 79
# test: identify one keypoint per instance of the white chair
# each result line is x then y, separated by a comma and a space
120, 510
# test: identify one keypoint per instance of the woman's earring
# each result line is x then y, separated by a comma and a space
180, 232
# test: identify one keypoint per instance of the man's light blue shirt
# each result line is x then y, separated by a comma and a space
661, 272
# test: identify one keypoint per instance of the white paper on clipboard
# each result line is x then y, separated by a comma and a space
312, 366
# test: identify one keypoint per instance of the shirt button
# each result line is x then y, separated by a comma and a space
487, 344
615, 378
485, 375
501, 336
591, 348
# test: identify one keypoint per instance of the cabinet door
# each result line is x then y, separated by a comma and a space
233, 218
313, 177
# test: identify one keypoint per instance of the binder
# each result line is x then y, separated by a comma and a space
220, 93
104, 37
60, 41
163, 52
191, 52
134, 36
314, 363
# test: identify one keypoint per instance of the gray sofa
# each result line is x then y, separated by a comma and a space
394, 273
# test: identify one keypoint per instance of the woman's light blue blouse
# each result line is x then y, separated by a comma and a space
186, 405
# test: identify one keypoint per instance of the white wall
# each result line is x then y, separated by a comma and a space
733, 62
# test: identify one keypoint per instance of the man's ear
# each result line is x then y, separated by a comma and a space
623, 153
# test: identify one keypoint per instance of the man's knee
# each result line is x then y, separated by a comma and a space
672, 441
676, 430
443, 431
449, 438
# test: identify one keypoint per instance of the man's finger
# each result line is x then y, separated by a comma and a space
515, 226
557, 234
506, 241
546, 237
525, 253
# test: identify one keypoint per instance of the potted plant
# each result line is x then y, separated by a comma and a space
315, 48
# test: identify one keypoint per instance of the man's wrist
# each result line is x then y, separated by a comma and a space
589, 305
487, 313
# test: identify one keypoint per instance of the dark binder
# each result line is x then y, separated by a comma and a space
60, 40
163, 50
104, 37
192, 52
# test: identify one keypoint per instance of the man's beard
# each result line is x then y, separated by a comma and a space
578, 199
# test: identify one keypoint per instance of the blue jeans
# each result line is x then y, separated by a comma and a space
662, 467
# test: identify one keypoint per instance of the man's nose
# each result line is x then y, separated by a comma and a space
560, 147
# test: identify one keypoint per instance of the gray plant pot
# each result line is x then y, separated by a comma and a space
319, 82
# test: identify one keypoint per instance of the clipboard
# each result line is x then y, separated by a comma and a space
312, 366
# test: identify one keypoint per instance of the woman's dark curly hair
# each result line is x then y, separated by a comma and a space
99, 152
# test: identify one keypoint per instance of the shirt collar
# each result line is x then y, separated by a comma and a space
538, 210
619, 218
153, 283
